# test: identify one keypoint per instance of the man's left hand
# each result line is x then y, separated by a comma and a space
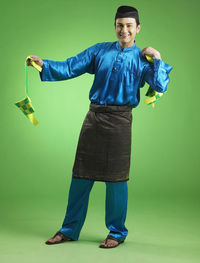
151, 52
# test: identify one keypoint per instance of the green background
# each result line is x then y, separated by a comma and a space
36, 162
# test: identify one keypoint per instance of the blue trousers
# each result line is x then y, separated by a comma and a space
115, 214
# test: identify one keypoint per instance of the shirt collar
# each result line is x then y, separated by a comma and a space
127, 48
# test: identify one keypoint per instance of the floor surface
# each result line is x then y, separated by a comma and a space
163, 231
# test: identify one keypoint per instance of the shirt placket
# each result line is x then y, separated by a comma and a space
117, 65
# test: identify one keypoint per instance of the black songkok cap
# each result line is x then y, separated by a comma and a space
127, 11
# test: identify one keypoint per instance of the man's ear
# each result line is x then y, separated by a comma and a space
138, 28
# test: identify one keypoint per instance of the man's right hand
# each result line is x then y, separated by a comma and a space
36, 59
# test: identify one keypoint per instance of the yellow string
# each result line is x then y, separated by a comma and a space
24, 102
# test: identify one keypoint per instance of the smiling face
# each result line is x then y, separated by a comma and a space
126, 30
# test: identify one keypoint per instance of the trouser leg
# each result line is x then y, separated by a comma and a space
77, 207
116, 209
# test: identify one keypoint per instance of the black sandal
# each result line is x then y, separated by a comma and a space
113, 238
63, 239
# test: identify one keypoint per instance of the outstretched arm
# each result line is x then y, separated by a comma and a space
69, 68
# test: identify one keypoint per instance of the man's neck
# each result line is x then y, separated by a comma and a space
126, 45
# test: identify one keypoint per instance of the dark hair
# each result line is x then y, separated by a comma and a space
127, 11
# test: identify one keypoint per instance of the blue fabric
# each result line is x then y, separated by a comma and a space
115, 214
119, 74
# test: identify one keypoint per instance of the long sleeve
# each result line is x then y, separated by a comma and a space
156, 75
71, 67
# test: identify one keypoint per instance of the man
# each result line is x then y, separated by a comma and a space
104, 147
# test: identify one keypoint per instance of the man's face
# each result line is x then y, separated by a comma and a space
126, 31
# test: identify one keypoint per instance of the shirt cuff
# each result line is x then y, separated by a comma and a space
161, 71
158, 63
44, 72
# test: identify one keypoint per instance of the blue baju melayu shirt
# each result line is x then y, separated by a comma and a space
119, 73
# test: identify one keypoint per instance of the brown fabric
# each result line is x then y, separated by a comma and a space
54, 240
104, 146
111, 238
62, 236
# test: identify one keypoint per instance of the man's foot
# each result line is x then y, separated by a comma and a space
110, 242
58, 238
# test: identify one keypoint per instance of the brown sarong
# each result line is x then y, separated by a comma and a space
104, 146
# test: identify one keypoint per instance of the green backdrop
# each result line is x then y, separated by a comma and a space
36, 162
